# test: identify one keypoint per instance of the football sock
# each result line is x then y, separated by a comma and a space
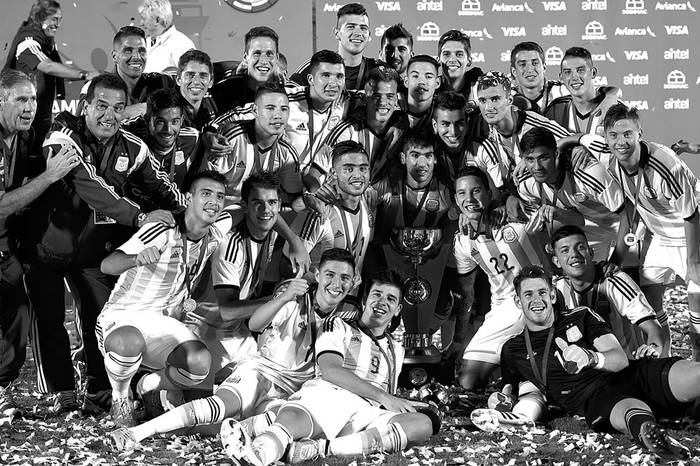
389, 439
182, 378
271, 444
530, 406
634, 418
120, 370
256, 425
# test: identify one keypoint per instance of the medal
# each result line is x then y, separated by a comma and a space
630, 239
189, 305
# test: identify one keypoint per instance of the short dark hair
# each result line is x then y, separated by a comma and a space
42, 9
419, 139
397, 31
338, 255
127, 31
107, 81
471, 170
161, 99
565, 232
10, 78
526, 47
423, 59
386, 277
347, 147
351, 9
618, 112
531, 271
261, 31
324, 56
206, 175
493, 79
382, 74
578, 52
269, 88
197, 56
264, 179
450, 100
537, 137
455, 35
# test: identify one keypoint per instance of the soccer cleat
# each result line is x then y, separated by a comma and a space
491, 420
65, 402
122, 412
306, 450
97, 403
657, 441
237, 443
123, 439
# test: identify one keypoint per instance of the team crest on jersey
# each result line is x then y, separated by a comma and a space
649, 192
179, 157
580, 197
240, 165
333, 121
355, 339
573, 334
338, 234
432, 205
122, 164
176, 251
509, 234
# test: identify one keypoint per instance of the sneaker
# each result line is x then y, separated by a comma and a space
8, 407
657, 441
123, 439
65, 402
237, 443
122, 412
306, 450
97, 403
492, 420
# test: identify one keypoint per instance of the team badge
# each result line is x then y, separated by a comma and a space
573, 334
599, 131
432, 205
580, 197
179, 157
649, 192
509, 235
122, 164
333, 121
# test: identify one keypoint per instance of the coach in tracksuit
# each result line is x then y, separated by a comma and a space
79, 222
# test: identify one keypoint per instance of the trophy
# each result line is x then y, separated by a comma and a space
418, 244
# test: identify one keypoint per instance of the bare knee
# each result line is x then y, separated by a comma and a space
474, 374
297, 421
192, 356
417, 426
125, 341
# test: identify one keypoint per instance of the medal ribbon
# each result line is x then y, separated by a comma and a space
410, 214
185, 253
541, 377
357, 239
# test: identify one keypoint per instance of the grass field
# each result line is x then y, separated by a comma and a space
42, 438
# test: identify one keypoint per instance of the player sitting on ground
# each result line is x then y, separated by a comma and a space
140, 323
287, 327
350, 409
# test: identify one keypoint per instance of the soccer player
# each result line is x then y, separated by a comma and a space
501, 251
380, 128
261, 145
287, 326
350, 409
613, 296
353, 34
422, 80
396, 50
577, 362
527, 66
350, 222
662, 191
454, 53
570, 193
195, 76
450, 125
158, 267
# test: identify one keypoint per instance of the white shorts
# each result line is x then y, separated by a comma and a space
162, 334
336, 411
256, 393
662, 262
503, 321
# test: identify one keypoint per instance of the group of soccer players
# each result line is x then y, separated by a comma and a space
223, 239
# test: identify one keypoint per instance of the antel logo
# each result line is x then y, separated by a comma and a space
676, 104
635, 79
554, 30
594, 5
677, 54
428, 5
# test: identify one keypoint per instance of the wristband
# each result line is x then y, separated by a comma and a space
601, 360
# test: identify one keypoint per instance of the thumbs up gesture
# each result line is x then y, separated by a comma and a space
574, 358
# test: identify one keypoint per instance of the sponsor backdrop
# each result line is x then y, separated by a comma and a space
642, 46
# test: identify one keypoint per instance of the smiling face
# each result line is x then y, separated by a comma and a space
130, 56
335, 280
104, 114
574, 256
529, 69
396, 53
422, 80
541, 162
352, 170
420, 163
494, 104
52, 23
381, 101
352, 32
18, 108
327, 81
382, 304
577, 75
194, 81
472, 196
623, 139
165, 127
536, 299
262, 58
262, 208
271, 113
454, 59
450, 126
206, 200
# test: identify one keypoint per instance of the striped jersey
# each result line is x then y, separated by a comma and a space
161, 287
664, 188
501, 256
344, 228
286, 346
241, 261
591, 191
550, 91
246, 158
376, 360
563, 111
618, 300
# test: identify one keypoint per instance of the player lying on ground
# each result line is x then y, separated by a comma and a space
350, 409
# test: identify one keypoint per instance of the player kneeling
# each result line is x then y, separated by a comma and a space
350, 409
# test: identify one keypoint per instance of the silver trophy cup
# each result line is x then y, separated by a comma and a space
417, 244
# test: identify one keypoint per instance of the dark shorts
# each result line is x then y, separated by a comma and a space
646, 380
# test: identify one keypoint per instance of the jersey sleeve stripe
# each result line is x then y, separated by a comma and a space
151, 233
29, 43
232, 248
663, 170
590, 181
329, 324
537, 120
622, 287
